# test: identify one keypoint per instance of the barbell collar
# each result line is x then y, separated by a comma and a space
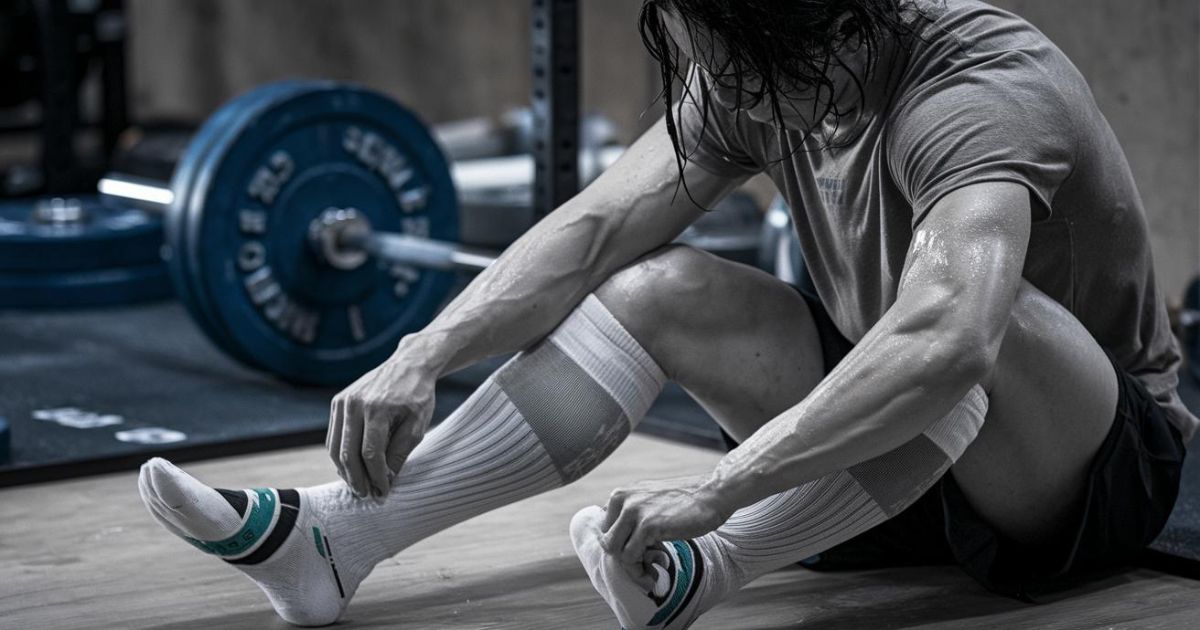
343, 239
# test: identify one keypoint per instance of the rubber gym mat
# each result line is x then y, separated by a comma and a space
88, 392
96, 391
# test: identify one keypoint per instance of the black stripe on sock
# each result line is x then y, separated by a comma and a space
289, 507
697, 575
236, 498
332, 565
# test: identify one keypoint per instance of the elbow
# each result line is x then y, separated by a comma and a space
968, 355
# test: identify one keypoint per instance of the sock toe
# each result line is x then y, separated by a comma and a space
586, 529
630, 602
153, 506
186, 504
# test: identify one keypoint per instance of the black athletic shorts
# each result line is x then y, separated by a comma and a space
1131, 488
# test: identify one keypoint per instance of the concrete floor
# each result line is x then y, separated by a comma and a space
85, 554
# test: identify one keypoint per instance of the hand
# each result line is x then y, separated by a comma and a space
377, 421
652, 512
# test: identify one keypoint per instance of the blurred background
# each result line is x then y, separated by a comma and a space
467, 58
452, 60
124, 336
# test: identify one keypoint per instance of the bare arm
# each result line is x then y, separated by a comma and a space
940, 338
628, 211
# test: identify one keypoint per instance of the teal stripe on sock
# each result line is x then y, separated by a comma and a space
317, 539
262, 514
683, 578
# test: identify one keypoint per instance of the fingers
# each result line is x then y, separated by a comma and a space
376, 436
645, 577
635, 549
626, 542
616, 503
655, 555
401, 446
333, 437
350, 452
615, 535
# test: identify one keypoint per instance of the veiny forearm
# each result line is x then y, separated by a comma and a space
633, 208
891, 386
525, 293
940, 338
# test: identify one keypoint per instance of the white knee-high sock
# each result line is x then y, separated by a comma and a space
545, 418
694, 575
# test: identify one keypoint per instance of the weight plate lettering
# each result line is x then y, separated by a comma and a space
176, 252
244, 231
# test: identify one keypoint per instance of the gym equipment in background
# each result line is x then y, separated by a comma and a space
60, 252
62, 67
310, 225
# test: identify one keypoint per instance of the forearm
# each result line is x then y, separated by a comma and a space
528, 290
634, 207
891, 387
940, 338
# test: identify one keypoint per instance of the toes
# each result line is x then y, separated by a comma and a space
170, 484
152, 503
586, 529
184, 505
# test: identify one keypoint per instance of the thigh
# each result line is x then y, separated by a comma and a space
743, 343
1052, 401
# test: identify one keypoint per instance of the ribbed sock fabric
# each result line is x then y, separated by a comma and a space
695, 575
545, 418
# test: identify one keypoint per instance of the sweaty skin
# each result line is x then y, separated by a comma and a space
635, 207
941, 337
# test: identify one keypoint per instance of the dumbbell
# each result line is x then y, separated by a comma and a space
310, 225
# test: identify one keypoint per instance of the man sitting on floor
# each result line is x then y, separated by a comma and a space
981, 258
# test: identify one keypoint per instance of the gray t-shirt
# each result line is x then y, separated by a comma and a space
984, 97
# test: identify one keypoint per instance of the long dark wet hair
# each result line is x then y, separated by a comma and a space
781, 43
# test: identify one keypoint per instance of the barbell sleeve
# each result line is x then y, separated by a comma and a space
469, 176
337, 242
144, 193
420, 252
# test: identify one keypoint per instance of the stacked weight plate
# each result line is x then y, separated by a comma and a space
77, 252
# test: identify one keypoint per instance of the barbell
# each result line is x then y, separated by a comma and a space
310, 225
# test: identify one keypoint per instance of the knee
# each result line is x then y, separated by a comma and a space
655, 289
1037, 326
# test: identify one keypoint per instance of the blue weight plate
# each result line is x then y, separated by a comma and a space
259, 188
229, 116
5, 442
185, 173
97, 287
105, 235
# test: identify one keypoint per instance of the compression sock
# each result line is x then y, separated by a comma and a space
545, 418
694, 575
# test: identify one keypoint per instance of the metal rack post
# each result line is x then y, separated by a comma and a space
555, 99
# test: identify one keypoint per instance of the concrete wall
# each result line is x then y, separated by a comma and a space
1142, 60
460, 58
445, 60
